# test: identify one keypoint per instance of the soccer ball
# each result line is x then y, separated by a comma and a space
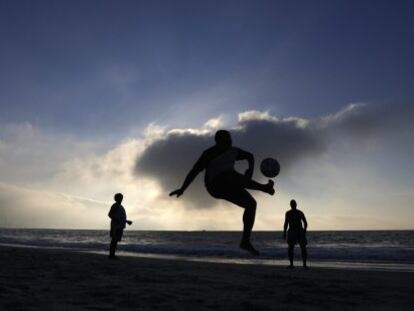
270, 167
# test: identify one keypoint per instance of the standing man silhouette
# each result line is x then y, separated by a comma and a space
296, 232
222, 181
118, 221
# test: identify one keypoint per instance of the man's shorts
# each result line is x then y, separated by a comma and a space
116, 234
297, 237
226, 183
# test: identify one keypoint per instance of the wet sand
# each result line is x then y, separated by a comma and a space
40, 279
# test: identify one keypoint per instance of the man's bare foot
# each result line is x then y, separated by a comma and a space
269, 187
249, 247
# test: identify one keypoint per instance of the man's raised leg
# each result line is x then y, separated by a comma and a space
254, 185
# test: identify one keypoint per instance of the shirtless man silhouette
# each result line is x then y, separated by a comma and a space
296, 232
222, 181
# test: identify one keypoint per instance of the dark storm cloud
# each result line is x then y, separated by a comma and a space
169, 158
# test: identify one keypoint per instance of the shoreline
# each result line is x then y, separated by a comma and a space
201, 230
352, 265
45, 279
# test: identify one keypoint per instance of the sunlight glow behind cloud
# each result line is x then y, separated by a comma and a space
82, 177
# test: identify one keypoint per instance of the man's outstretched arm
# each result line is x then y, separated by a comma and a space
197, 168
244, 155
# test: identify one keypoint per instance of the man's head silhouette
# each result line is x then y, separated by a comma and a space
118, 198
223, 139
293, 204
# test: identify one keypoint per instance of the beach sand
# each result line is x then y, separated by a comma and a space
41, 279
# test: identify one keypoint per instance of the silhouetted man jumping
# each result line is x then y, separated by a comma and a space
296, 233
224, 182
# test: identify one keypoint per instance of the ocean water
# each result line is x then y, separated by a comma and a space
349, 248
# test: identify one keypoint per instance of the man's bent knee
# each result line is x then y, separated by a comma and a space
250, 208
252, 205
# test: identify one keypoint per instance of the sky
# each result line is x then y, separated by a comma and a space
100, 97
